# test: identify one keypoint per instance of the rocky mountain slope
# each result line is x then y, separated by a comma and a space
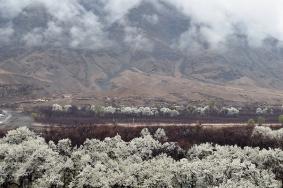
142, 57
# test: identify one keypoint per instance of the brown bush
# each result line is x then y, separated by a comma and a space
186, 136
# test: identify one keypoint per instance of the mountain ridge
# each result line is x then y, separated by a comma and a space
140, 59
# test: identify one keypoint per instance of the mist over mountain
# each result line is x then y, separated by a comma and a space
174, 50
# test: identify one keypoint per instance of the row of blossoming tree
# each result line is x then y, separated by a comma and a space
87, 114
170, 111
147, 111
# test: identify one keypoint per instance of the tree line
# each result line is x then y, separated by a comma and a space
70, 114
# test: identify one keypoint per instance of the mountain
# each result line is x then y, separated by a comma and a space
151, 52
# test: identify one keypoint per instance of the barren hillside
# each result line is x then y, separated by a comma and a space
140, 59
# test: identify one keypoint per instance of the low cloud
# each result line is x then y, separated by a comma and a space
136, 39
88, 33
85, 23
69, 23
117, 9
5, 35
221, 18
153, 19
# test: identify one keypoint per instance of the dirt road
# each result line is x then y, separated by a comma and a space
11, 119
5, 116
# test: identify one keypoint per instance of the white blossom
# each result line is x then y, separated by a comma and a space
127, 110
261, 111
202, 110
230, 110
109, 110
160, 135
146, 111
168, 111
67, 108
28, 161
92, 108
57, 107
